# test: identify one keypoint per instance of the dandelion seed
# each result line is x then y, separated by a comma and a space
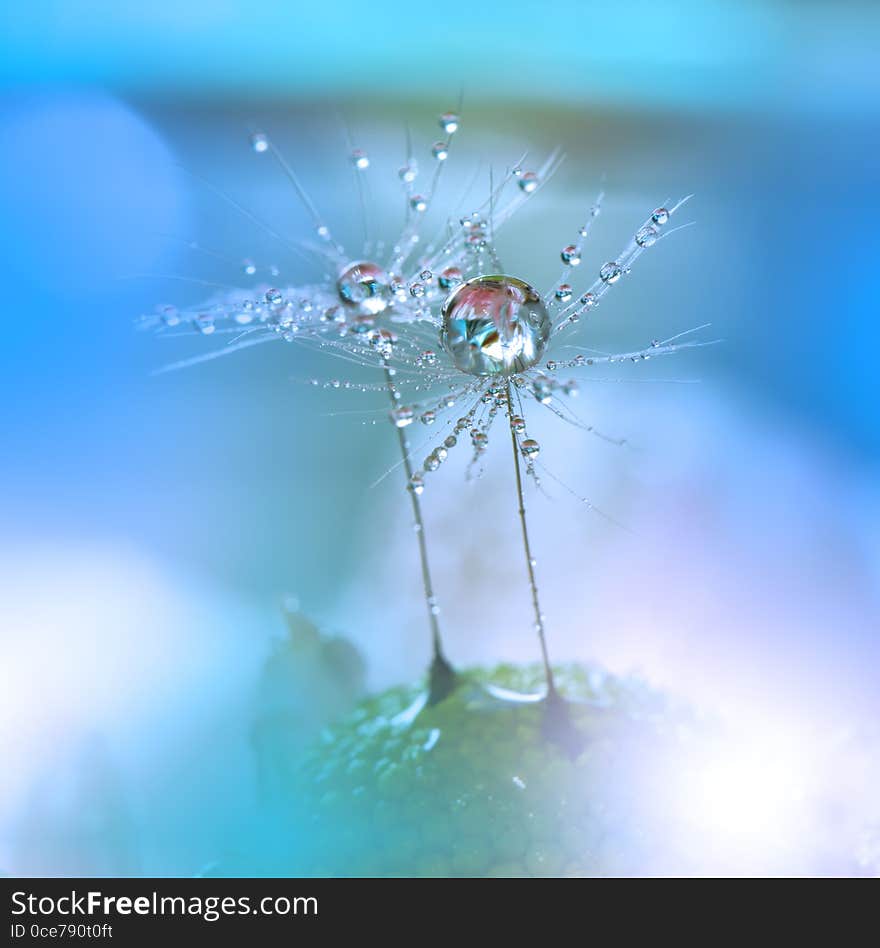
479, 336
351, 317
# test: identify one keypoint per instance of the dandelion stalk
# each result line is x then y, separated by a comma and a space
442, 678
552, 693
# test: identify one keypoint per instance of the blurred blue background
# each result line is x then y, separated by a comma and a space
152, 525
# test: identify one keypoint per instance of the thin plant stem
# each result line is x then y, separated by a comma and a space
442, 674
530, 563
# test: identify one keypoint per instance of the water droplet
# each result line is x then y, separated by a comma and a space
587, 300
429, 357
417, 483
365, 288
417, 290
571, 255
528, 182
323, 231
418, 203
449, 122
170, 316
451, 441
660, 216
205, 324
449, 278
551, 366
440, 151
428, 417
274, 297
259, 142
249, 267
610, 272
494, 325
360, 160
542, 389
563, 292
408, 172
432, 462
646, 236
402, 416
517, 423
479, 439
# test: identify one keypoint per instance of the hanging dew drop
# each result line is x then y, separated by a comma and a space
449, 278
365, 288
360, 160
646, 236
418, 203
563, 292
440, 151
528, 182
205, 324
660, 216
571, 255
530, 449
494, 325
610, 272
449, 122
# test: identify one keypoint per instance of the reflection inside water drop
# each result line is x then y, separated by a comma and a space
365, 288
494, 325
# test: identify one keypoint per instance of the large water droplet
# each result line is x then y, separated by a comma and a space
364, 287
494, 325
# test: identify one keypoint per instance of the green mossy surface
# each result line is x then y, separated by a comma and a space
480, 785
